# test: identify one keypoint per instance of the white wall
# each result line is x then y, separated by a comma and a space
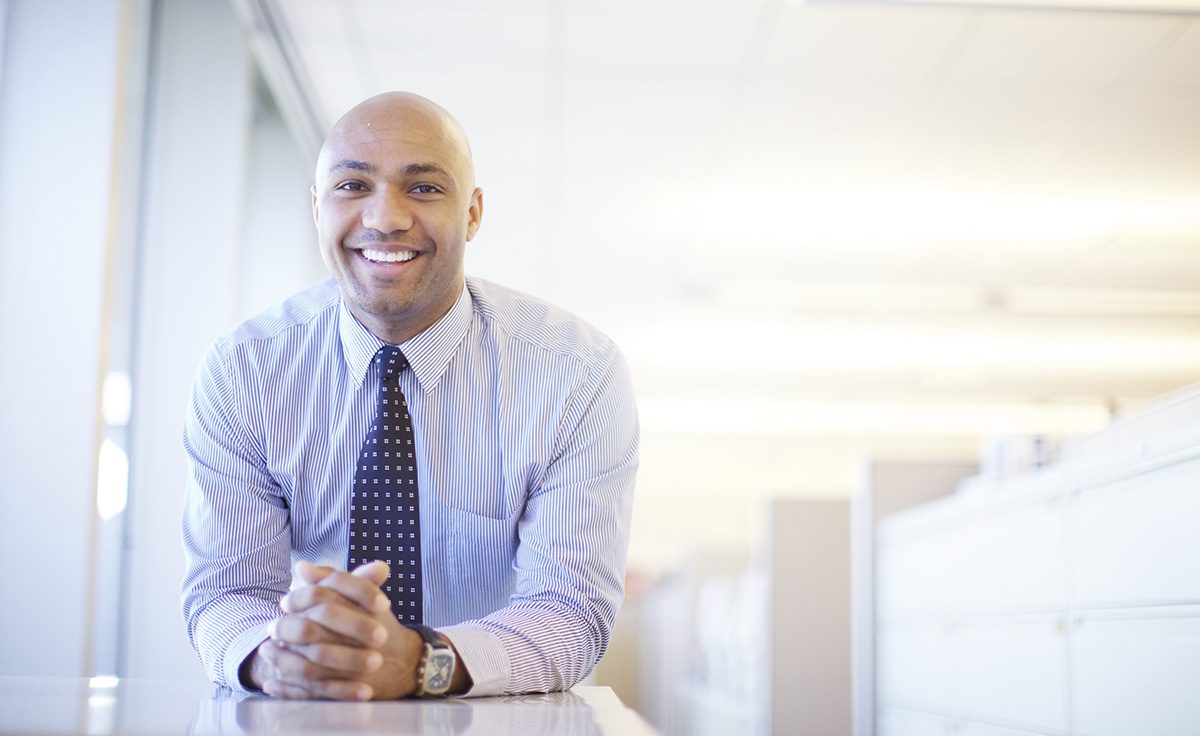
280, 253
197, 140
227, 232
58, 104
219, 211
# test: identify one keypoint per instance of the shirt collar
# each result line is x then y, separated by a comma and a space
428, 353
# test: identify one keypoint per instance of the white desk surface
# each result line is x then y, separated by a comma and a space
132, 707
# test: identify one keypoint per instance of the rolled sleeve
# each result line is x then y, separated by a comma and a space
235, 530
483, 654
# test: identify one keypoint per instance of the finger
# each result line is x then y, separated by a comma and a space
351, 661
311, 574
358, 589
281, 689
293, 668
287, 666
301, 599
342, 654
324, 689
377, 572
300, 630
351, 622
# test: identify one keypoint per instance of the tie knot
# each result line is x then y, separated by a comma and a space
390, 361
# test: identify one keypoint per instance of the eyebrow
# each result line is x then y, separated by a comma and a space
410, 170
418, 169
352, 165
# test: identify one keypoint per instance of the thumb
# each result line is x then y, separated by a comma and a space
311, 574
377, 572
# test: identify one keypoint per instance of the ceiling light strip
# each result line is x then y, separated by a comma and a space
1150, 7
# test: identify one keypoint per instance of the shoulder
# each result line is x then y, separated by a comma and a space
528, 320
303, 316
295, 329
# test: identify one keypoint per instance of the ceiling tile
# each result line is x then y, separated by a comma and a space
853, 44
1144, 110
640, 43
456, 41
1041, 47
1180, 63
669, 7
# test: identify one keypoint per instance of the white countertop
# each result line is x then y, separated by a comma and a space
133, 707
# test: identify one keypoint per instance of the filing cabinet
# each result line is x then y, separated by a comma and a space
1061, 602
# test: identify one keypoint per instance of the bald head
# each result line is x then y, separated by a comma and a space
395, 203
405, 113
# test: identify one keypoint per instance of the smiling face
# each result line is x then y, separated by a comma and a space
395, 204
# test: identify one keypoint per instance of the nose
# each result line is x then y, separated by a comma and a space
387, 211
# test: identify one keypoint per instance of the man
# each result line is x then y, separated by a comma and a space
525, 437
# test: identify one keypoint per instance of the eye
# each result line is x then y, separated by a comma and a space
426, 189
352, 186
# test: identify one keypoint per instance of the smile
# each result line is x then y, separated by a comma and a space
380, 256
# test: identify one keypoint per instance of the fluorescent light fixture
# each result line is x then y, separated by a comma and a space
835, 418
1101, 301
846, 346
1118, 6
112, 487
100, 682
921, 217
850, 345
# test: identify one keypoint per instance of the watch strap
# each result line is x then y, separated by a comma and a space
433, 681
430, 636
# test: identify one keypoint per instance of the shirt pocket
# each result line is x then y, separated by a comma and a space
481, 553
482, 487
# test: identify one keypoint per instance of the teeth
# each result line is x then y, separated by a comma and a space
379, 255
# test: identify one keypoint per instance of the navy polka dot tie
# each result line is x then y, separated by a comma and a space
385, 519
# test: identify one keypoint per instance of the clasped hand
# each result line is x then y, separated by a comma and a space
338, 640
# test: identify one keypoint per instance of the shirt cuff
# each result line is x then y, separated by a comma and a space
240, 648
481, 653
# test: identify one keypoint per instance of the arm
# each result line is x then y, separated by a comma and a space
573, 538
236, 528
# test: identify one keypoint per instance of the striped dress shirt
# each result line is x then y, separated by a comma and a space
527, 442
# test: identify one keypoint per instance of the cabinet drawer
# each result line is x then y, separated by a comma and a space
918, 576
1014, 562
1014, 672
1137, 676
1136, 540
915, 665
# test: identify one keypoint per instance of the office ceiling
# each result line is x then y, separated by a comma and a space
868, 225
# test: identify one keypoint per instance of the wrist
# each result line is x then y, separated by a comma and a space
251, 673
439, 671
461, 682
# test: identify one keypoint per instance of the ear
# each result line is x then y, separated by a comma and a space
474, 213
316, 219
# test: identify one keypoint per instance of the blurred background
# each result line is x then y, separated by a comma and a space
838, 241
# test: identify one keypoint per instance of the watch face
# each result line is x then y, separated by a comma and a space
438, 671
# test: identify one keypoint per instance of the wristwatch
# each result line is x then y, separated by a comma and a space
436, 668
